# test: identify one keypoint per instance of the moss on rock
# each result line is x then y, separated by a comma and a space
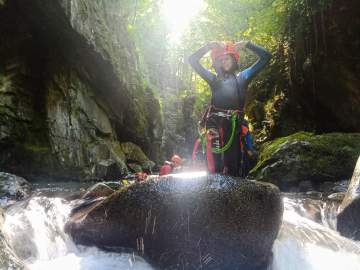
304, 156
133, 153
64, 112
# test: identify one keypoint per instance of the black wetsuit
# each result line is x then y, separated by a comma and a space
229, 93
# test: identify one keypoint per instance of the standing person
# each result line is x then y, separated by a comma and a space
225, 115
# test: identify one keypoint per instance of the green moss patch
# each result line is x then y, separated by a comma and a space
305, 156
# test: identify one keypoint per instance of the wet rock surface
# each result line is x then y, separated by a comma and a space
348, 223
68, 81
135, 156
13, 188
212, 222
98, 190
304, 161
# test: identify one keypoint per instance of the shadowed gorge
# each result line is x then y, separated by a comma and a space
73, 92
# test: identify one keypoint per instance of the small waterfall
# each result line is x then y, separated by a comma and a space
306, 245
318, 210
35, 231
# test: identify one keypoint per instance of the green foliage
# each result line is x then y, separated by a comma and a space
262, 21
274, 24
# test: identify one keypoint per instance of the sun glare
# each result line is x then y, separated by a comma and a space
189, 175
178, 15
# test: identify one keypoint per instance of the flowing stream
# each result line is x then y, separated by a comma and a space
307, 245
35, 231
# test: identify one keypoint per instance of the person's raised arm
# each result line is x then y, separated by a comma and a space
194, 61
264, 58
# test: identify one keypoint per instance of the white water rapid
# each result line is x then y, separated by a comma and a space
303, 244
35, 231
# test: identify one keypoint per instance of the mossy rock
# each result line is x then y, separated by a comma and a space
118, 155
92, 91
136, 168
303, 156
133, 153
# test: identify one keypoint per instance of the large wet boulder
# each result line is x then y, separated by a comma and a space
348, 222
307, 161
178, 222
13, 188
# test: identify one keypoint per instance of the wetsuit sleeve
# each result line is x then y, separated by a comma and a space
194, 61
264, 57
248, 141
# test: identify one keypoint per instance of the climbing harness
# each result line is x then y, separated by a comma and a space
212, 139
205, 133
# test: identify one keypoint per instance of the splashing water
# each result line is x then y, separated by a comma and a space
306, 245
35, 232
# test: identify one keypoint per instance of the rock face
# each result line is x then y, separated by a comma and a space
70, 90
13, 188
304, 160
210, 222
311, 84
133, 153
348, 222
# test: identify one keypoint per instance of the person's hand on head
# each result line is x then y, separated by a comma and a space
241, 44
215, 44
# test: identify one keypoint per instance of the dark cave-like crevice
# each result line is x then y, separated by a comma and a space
58, 45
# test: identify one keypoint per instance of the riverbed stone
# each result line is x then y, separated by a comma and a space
348, 221
337, 197
13, 188
316, 159
207, 222
108, 169
136, 168
98, 190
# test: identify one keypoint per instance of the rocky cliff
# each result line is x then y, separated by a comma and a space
70, 89
313, 82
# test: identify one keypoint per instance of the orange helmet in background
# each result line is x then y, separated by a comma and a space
176, 159
227, 48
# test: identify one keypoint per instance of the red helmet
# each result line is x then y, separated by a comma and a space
176, 159
228, 48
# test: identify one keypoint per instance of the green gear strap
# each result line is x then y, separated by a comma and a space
229, 142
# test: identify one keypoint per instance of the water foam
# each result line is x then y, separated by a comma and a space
306, 245
35, 230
